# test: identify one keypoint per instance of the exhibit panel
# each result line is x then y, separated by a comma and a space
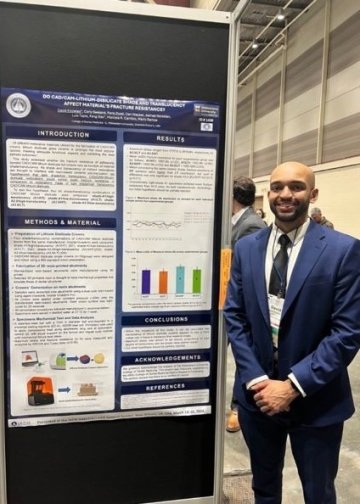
112, 161
109, 224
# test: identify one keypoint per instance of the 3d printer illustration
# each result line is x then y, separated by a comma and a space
40, 391
29, 358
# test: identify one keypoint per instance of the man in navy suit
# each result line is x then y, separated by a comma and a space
292, 346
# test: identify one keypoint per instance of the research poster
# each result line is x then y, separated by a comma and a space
108, 223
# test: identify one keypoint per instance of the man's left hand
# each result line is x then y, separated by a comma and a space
274, 396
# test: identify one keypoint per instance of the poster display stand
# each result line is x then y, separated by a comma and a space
113, 153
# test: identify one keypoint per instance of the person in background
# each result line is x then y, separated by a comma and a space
244, 221
260, 212
292, 315
317, 216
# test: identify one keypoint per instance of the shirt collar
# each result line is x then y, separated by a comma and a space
237, 215
295, 235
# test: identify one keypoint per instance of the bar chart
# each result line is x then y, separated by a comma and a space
161, 280
167, 280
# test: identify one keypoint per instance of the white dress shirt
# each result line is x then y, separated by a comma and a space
296, 237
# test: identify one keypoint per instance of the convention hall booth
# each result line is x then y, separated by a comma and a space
117, 122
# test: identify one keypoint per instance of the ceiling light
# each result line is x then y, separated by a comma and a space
280, 16
254, 44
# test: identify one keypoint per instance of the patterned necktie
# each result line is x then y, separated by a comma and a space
277, 283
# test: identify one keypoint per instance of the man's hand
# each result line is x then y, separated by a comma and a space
274, 396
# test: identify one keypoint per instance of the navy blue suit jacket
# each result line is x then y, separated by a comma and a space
320, 323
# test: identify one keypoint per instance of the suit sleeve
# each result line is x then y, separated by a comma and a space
338, 348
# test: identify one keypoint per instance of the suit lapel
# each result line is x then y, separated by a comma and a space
257, 261
311, 249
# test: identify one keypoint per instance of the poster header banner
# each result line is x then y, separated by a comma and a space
44, 108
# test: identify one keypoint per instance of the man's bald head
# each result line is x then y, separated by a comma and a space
292, 189
295, 170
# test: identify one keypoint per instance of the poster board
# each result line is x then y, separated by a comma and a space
144, 66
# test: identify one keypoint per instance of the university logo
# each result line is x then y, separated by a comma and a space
18, 105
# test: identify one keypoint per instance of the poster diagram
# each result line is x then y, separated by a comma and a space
108, 249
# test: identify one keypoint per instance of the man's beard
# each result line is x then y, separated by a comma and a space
299, 211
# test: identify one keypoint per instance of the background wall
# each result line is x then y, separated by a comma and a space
306, 102
304, 105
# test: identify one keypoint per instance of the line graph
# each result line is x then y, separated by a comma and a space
155, 224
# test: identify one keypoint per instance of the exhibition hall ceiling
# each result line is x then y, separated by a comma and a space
263, 25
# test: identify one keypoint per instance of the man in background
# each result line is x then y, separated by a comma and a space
317, 216
244, 221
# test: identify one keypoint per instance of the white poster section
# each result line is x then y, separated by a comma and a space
109, 218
